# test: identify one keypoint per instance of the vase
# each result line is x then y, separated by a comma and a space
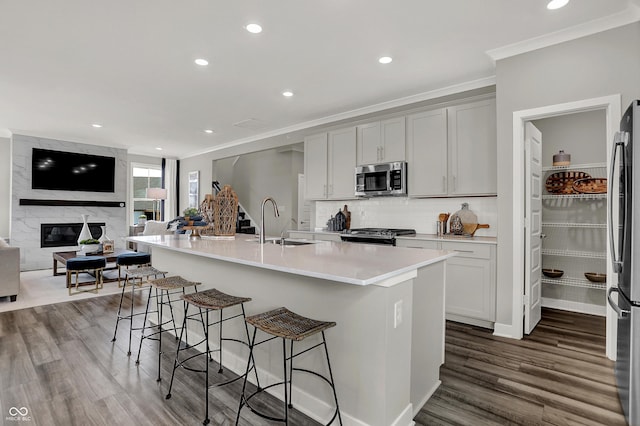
85, 233
104, 237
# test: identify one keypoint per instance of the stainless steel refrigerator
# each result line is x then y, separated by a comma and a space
624, 185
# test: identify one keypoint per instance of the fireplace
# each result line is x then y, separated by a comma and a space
65, 234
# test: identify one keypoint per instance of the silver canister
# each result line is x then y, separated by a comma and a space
440, 228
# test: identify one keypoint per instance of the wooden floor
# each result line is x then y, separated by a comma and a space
558, 375
58, 362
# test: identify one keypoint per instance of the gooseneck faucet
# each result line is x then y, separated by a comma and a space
275, 212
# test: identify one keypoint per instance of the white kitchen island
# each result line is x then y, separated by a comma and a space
388, 303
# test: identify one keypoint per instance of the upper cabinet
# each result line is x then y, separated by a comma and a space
452, 151
381, 141
329, 164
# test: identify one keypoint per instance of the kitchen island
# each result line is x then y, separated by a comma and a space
388, 304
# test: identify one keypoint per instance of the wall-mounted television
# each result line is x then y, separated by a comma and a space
71, 171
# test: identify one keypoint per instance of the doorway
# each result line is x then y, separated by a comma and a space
611, 107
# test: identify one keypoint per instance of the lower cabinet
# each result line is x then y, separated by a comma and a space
320, 236
470, 280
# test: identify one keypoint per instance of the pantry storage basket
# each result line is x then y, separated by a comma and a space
591, 186
562, 182
225, 212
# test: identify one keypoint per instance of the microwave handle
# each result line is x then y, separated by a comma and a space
619, 141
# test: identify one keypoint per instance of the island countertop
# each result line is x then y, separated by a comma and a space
358, 264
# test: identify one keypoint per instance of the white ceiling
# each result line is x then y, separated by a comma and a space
128, 65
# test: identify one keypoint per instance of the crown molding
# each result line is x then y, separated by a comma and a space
407, 100
629, 15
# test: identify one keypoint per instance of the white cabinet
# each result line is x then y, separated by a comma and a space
381, 141
452, 151
319, 236
329, 164
470, 280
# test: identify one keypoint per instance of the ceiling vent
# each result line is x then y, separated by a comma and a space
251, 124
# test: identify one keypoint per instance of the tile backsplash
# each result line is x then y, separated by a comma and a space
420, 214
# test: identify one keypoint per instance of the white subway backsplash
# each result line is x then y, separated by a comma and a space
420, 214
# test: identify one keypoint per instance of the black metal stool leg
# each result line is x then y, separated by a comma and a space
284, 370
175, 362
159, 329
206, 382
246, 373
246, 327
144, 326
333, 384
221, 369
290, 375
118, 317
133, 286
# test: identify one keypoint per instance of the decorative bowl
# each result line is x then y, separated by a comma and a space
552, 273
596, 277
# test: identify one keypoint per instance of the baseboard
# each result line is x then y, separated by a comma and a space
567, 305
405, 418
419, 405
470, 321
504, 330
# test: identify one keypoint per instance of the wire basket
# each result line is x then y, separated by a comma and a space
225, 212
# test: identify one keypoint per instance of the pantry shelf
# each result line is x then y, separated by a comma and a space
575, 197
574, 282
573, 253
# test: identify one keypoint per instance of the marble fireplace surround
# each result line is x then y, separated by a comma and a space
27, 218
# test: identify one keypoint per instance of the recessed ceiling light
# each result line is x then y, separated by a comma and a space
159, 148
208, 131
96, 125
201, 62
557, 4
253, 28
385, 60
287, 93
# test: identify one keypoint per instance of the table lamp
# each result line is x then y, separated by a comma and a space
156, 194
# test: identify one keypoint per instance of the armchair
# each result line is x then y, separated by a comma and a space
10, 272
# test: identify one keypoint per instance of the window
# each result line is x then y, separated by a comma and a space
144, 176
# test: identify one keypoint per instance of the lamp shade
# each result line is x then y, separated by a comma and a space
157, 193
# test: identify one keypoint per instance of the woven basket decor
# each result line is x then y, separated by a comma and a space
591, 186
225, 212
562, 182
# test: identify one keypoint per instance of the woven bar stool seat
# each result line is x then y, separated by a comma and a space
130, 277
164, 287
208, 300
287, 325
90, 264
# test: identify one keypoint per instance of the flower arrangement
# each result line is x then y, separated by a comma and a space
190, 211
89, 241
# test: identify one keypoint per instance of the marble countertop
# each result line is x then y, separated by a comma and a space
359, 264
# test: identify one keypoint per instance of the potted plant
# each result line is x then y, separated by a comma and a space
90, 245
189, 212
142, 219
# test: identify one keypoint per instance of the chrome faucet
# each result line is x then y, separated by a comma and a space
275, 212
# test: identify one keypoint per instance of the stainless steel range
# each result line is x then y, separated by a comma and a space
375, 235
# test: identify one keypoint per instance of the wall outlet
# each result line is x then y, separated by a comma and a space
397, 314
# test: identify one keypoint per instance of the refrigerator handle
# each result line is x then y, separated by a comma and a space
619, 140
621, 312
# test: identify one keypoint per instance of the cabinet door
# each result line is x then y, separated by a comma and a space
421, 244
427, 152
469, 290
392, 133
315, 166
342, 164
472, 148
369, 145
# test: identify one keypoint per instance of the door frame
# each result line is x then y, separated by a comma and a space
612, 107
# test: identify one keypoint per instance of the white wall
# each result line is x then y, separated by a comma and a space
26, 220
201, 163
598, 65
5, 186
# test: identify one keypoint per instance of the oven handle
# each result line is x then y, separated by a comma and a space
621, 312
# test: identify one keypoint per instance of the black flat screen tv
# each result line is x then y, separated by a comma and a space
71, 171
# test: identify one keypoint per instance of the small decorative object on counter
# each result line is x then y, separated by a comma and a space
468, 219
225, 212
561, 159
331, 224
347, 214
341, 221
455, 225
441, 225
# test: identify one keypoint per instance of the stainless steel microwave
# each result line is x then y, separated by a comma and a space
381, 179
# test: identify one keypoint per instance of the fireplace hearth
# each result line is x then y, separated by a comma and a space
65, 234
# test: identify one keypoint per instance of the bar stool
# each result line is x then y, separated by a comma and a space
91, 264
209, 300
131, 276
282, 323
130, 259
164, 286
